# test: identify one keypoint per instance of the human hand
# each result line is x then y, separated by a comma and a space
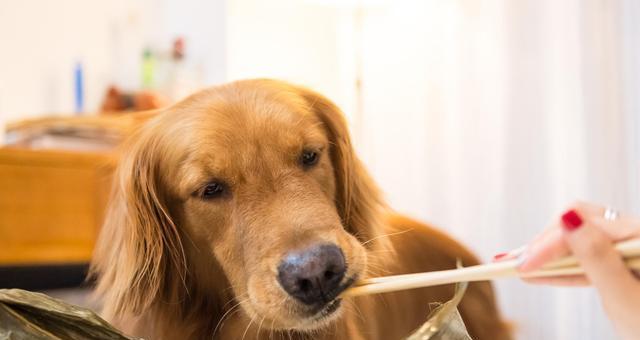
585, 232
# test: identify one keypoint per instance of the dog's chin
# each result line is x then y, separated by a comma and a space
306, 320
322, 317
316, 320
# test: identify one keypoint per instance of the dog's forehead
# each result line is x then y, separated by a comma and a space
234, 135
260, 121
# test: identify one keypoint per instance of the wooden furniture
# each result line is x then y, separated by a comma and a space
51, 204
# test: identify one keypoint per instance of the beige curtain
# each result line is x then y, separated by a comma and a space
488, 118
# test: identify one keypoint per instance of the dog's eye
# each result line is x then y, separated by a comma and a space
213, 190
309, 158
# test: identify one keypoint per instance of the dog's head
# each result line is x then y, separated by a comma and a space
250, 189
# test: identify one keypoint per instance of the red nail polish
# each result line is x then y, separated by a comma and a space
499, 256
571, 220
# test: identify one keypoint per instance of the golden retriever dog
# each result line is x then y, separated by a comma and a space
243, 212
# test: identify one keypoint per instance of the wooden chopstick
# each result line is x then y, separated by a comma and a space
629, 250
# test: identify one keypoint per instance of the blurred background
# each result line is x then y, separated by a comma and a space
485, 118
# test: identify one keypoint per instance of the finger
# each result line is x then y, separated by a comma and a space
587, 208
603, 265
509, 255
549, 245
622, 228
566, 281
518, 252
547, 248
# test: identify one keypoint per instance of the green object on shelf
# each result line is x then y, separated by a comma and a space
148, 69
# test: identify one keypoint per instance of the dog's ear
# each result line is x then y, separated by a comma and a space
358, 199
139, 250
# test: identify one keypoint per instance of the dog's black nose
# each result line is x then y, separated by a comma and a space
313, 275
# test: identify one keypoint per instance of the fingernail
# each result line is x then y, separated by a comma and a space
518, 251
521, 259
571, 220
515, 253
499, 256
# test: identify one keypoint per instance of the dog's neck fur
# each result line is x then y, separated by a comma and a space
190, 309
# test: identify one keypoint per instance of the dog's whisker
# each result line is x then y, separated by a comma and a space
359, 313
380, 251
237, 298
386, 235
247, 329
221, 321
272, 330
226, 314
374, 270
260, 326
191, 241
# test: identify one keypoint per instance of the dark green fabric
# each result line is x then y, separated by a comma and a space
29, 315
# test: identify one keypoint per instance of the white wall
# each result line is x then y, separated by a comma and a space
42, 41
630, 10
226, 40
204, 24
293, 40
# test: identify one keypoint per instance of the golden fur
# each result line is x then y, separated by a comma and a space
173, 265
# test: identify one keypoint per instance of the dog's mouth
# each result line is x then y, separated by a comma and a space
328, 309
334, 301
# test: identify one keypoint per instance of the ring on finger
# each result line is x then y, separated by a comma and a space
611, 214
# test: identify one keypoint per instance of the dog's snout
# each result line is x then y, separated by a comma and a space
313, 275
